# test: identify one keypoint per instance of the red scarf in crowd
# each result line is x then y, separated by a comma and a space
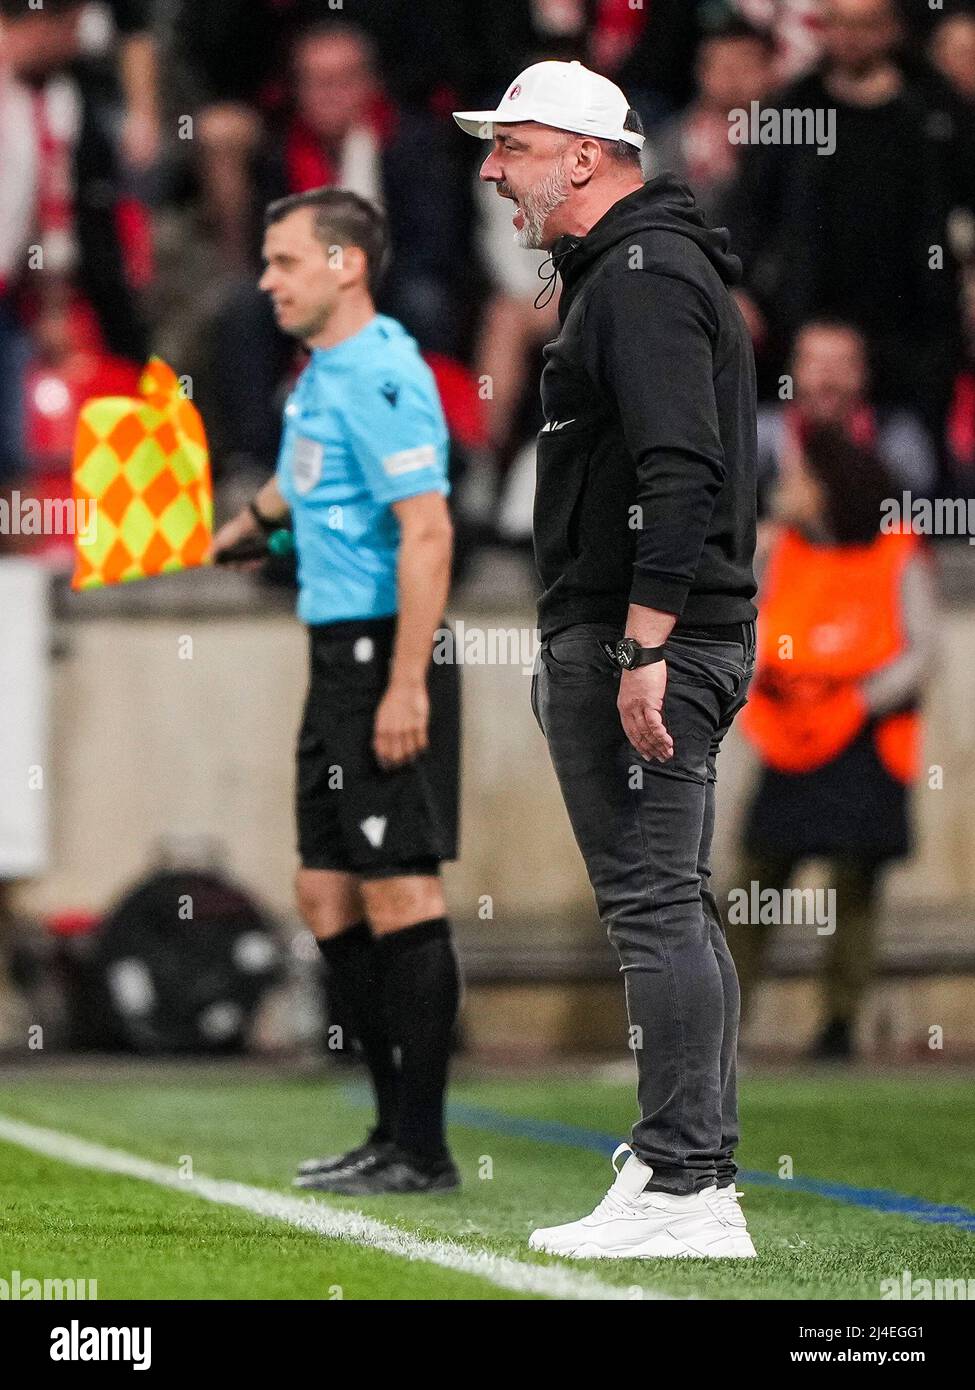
309, 165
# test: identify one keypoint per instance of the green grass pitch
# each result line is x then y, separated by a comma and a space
141, 1241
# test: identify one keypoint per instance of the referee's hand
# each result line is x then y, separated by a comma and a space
400, 732
239, 528
640, 704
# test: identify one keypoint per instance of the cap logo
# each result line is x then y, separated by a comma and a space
515, 91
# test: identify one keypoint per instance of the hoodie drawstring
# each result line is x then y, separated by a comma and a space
548, 289
553, 259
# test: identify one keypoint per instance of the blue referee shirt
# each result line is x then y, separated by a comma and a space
363, 428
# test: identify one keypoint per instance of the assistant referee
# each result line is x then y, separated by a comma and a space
362, 471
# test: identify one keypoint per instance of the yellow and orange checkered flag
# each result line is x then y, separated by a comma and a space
143, 462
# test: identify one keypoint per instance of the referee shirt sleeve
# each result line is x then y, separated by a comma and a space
397, 434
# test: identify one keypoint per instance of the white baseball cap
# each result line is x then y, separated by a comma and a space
564, 95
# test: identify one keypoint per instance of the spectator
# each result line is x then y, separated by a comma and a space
59, 236
121, 55
346, 130
343, 131
952, 51
794, 26
500, 38
232, 87
920, 18
846, 620
422, 44
951, 117
241, 89
733, 68
656, 65
616, 27
861, 232
829, 381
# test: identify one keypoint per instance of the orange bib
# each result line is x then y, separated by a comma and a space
829, 617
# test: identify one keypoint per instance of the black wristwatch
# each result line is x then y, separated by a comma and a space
628, 653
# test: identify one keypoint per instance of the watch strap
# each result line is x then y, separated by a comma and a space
647, 656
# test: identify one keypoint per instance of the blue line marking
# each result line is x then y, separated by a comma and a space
594, 1141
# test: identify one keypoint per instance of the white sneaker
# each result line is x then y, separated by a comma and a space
631, 1224
723, 1201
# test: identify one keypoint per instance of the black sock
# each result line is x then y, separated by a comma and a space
421, 992
352, 962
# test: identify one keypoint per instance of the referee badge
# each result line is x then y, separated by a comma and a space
306, 463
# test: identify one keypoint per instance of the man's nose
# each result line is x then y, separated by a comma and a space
491, 169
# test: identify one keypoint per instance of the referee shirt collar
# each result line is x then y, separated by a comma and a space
350, 346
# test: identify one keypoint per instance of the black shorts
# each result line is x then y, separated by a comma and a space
352, 815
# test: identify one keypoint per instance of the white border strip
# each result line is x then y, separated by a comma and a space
548, 1281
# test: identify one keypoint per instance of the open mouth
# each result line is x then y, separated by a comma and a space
518, 218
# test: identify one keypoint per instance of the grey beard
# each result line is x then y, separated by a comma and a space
538, 205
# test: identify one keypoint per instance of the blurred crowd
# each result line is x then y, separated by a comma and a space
141, 139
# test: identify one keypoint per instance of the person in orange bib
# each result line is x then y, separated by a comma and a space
845, 627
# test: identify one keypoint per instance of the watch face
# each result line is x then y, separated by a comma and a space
625, 653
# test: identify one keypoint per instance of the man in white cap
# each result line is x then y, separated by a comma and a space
644, 536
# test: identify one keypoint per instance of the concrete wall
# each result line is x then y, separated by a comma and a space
165, 726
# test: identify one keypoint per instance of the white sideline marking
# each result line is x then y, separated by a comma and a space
551, 1281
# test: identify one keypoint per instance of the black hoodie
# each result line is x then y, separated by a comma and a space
646, 464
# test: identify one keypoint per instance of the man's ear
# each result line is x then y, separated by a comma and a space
585, 162
352, 265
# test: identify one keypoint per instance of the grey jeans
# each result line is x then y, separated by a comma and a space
645, 829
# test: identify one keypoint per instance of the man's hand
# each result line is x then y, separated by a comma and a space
640, 703
400, 732
239, 528
271, 506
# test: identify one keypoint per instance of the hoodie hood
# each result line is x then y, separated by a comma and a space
662, 204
